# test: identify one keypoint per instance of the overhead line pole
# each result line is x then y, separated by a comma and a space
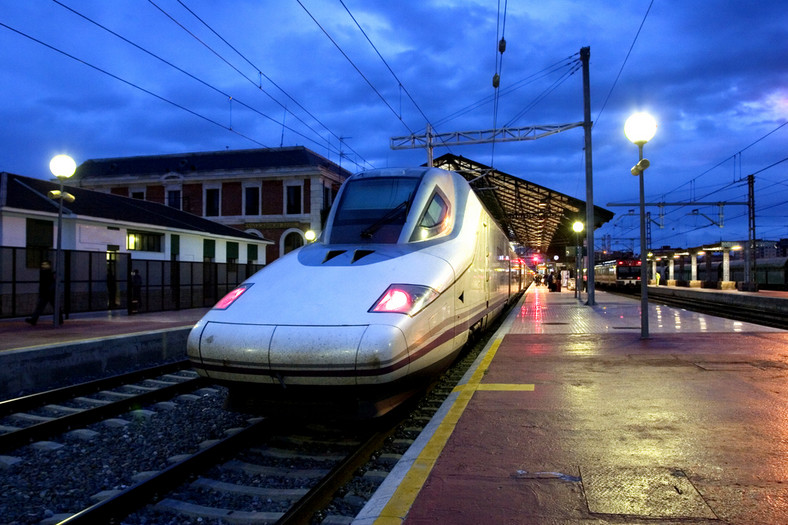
585, 54
428, 140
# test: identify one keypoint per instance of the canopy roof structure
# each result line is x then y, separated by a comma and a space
536, 217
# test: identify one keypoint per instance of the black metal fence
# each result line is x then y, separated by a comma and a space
100, 281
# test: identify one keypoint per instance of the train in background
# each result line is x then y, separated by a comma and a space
771, 273
409, 265
617, 273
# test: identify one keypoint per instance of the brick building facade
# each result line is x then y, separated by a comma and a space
275, 193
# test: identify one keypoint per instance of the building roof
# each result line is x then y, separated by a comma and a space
205, 162
26, 193
534, 216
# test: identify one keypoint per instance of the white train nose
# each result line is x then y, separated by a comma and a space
303, 355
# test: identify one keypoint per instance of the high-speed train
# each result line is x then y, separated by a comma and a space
408, 265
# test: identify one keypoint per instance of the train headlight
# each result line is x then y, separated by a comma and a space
231, 297
406, 299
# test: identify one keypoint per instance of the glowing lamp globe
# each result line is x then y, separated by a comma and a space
62, 166
577, 226
640, 128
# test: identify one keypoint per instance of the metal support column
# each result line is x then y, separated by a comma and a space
585, 54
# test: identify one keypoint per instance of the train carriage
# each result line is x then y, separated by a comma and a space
409, 264
618, 273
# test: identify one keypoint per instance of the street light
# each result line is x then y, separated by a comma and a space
639, 129
62, 167
577, 227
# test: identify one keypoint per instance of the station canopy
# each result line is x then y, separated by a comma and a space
535, 217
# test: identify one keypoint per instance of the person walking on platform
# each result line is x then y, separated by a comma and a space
46, 292
136, 290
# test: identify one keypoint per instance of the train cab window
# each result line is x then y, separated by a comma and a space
435, 219
373, 210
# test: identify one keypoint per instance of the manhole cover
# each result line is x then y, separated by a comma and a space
647, 492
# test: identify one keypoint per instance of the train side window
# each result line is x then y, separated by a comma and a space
435, 220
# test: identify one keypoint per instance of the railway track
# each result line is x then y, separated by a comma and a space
263, 473
37, 417
270, 471
184, 459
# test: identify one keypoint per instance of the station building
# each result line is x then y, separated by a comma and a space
271, 193
183, 260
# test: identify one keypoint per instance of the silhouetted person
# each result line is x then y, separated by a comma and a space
136, 290
46, 292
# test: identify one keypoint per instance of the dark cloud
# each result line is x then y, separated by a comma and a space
712, 73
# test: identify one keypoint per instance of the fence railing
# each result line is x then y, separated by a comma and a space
99, 281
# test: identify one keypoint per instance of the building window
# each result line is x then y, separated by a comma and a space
232, 256
252, 200
208, 250
174, 199
137, 241
293, 200
212, 200
293, 240
251, 253
138, 194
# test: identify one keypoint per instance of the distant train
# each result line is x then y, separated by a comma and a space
770, 272
617, 273
410, 263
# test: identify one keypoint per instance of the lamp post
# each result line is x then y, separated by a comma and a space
577, 226
639, 129
62, 167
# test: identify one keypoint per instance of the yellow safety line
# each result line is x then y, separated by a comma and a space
402, 500
505, 387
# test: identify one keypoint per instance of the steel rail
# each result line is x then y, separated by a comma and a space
112, 510
58, 425
20, 404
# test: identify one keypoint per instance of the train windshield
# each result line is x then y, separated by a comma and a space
373, 210
628, 272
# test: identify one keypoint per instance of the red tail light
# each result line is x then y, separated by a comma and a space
230, 298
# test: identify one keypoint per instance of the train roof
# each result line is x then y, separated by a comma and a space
533, 215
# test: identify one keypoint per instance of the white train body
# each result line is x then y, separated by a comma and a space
333, 317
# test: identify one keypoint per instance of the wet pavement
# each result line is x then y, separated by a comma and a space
17, 334
570, 417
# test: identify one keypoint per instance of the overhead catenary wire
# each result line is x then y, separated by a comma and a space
277, 86
544, 94
511, 88
168, 63
225, 95
350, 61
500, 40
132, 84
715, 189
623, 64
399, 82
234, 68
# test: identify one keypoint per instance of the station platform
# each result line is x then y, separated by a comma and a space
16, 334
88, 346
569, 416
